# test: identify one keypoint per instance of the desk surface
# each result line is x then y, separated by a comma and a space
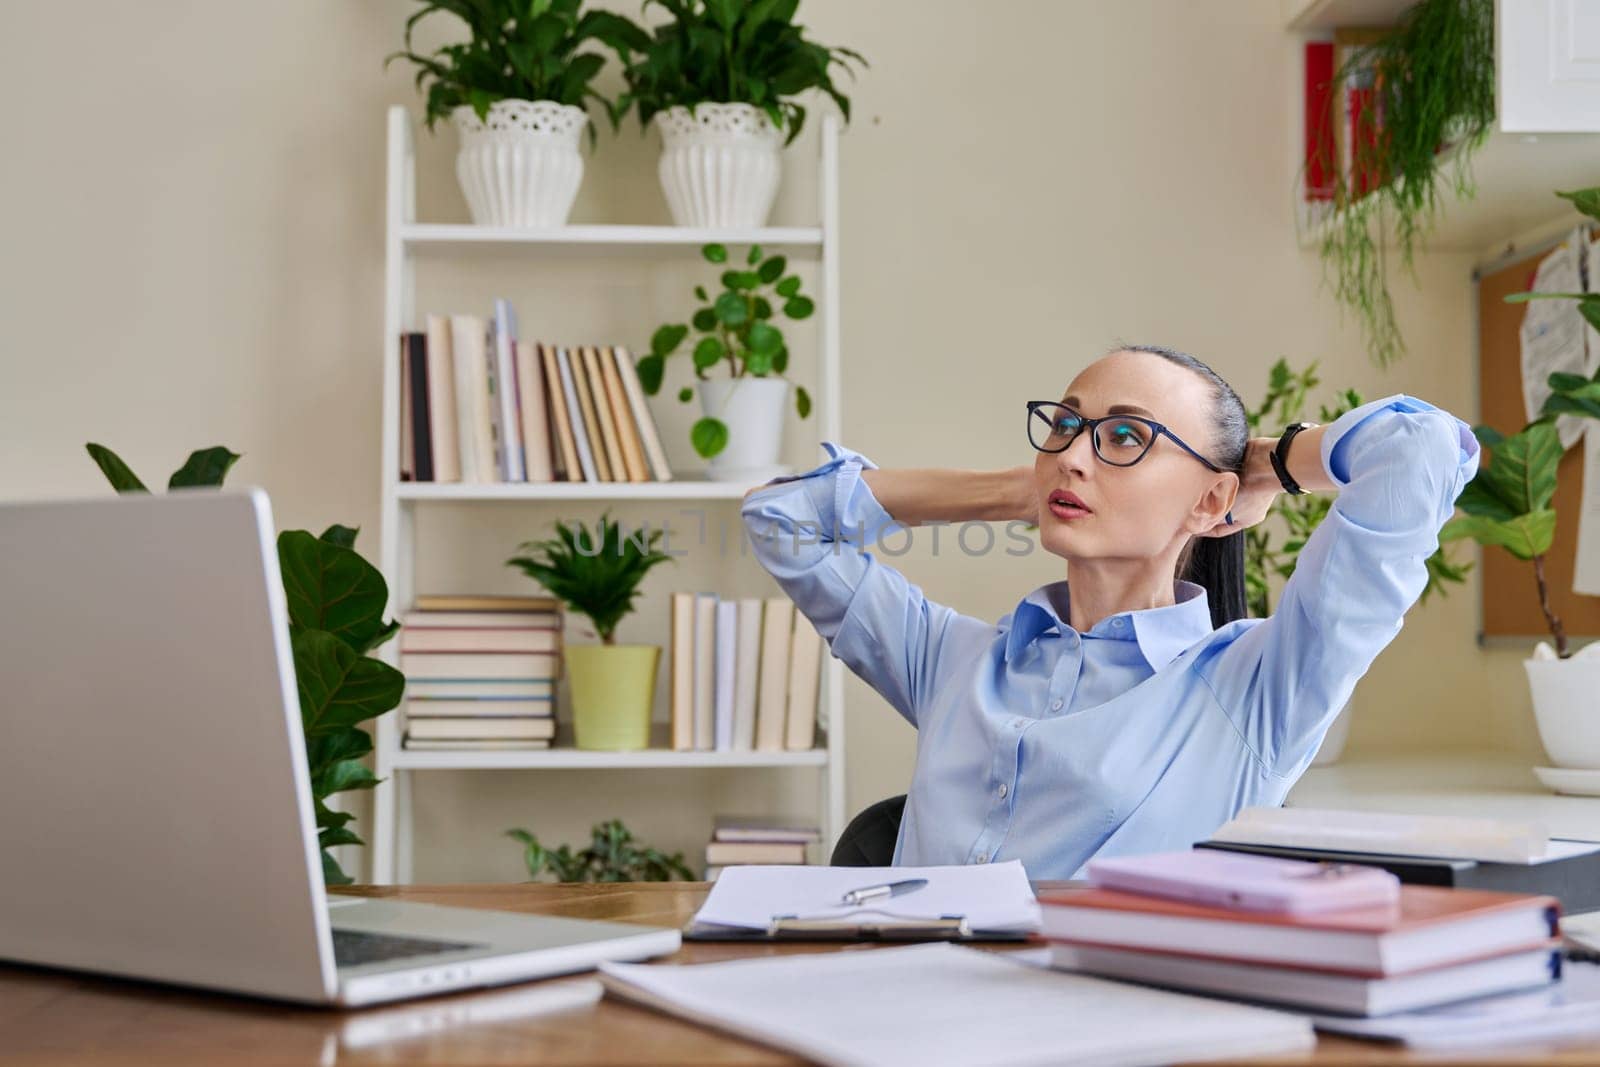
49, 1017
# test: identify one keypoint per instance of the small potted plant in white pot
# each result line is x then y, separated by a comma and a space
719, 82
740, 431
597, 574
515, 90
1265, 559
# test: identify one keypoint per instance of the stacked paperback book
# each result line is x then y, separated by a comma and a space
743, 840
481, 672
745, 674
1334, 938
479, 404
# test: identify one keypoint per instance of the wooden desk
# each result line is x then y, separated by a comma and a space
49, 1017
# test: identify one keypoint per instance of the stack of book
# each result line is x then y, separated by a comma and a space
738, 840
745, 674
1430, 946
481, 672
480, 404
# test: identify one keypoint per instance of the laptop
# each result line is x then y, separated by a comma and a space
155, 814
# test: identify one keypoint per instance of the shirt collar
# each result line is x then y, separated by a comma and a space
1162, 633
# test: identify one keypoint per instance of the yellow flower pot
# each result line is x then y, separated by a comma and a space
613, 689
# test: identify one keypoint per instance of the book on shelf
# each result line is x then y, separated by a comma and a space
482, 745
480, 689
531, 728
476, 706
476, 602
730, 853
481, 404
462, 665
767, 828
479, 639
745, 674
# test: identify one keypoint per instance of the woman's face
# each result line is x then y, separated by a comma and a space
1153, 507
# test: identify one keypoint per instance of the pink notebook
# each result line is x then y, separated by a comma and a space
1249, 883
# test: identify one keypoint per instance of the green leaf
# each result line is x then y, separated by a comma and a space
686, 394
740, 280
338, 686
700, 293
344, 775
341, 836
731, 309
754, 256
758, 363
117, 473
207, 467
343, 536
328, 818
763, 308
1522, 468
708, 353
705, 320
780, 360
802, 401
332, 873
1488, 436
650, 369
799, 307
331, 588
1585, 200
667, 338
326, 749
709, 436
765, 339
715, 253
1478, 499
790, 286
1525, 536
772, 269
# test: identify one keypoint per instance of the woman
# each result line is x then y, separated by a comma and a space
1134, 712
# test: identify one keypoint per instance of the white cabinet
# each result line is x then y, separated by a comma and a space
1548, 66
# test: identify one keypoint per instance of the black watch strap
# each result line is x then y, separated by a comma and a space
1280, 457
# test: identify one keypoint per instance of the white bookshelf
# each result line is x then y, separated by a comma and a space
390, 852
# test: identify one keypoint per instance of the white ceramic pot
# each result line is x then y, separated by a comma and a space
1333, 741
1566, 706
521, 167
719, 165
753, 409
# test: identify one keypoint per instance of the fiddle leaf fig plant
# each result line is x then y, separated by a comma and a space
595, 573
738, 326
1288, 393
611, 857
336, 601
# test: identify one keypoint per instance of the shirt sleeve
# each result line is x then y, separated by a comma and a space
1398, 464
811, 532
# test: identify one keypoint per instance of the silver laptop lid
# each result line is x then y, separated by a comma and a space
155, 817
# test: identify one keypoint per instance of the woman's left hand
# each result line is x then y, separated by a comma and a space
1258, 488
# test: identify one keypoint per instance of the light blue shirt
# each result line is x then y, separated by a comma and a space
1148, 732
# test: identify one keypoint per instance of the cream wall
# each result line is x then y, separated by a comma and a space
192, 207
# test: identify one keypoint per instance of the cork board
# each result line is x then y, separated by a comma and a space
1510, 597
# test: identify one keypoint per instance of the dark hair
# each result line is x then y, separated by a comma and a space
1215, 563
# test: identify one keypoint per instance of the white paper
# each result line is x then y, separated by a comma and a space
1390, 833
933, 1004
993, 896
1553, 332
1570, 1006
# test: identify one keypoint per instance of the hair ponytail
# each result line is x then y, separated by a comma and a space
1215, 563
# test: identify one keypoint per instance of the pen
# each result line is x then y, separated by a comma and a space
890, 889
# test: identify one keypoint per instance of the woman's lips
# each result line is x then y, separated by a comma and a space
1067, 506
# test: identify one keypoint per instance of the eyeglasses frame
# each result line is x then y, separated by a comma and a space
1090, 426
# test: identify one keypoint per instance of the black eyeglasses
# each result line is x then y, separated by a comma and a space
1120, 440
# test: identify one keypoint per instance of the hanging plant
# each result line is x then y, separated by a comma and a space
1428, 107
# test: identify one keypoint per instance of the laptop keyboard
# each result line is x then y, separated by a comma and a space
351, 948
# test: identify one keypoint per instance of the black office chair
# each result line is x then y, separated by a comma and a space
869, 839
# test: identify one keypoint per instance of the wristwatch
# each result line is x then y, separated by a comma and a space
1280, 457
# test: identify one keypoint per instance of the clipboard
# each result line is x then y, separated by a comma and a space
794, 928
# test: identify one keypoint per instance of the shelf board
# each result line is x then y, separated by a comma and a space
447, 239
1311, 15
1516, 176
678, 489
659, 755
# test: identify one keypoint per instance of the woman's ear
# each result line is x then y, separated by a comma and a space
1214, 504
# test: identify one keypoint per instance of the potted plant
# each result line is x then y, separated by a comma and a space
1287, 395
610, 857
1427, 92
740, 430
336, 603
597, 574
1509, 504
719, 80
515, 90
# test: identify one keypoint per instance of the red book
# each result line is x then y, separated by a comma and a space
1322, 152
1431, 927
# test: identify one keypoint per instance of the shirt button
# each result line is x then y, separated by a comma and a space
1004, 789
1055, 705
1119, 623
983, 857
1016, 724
